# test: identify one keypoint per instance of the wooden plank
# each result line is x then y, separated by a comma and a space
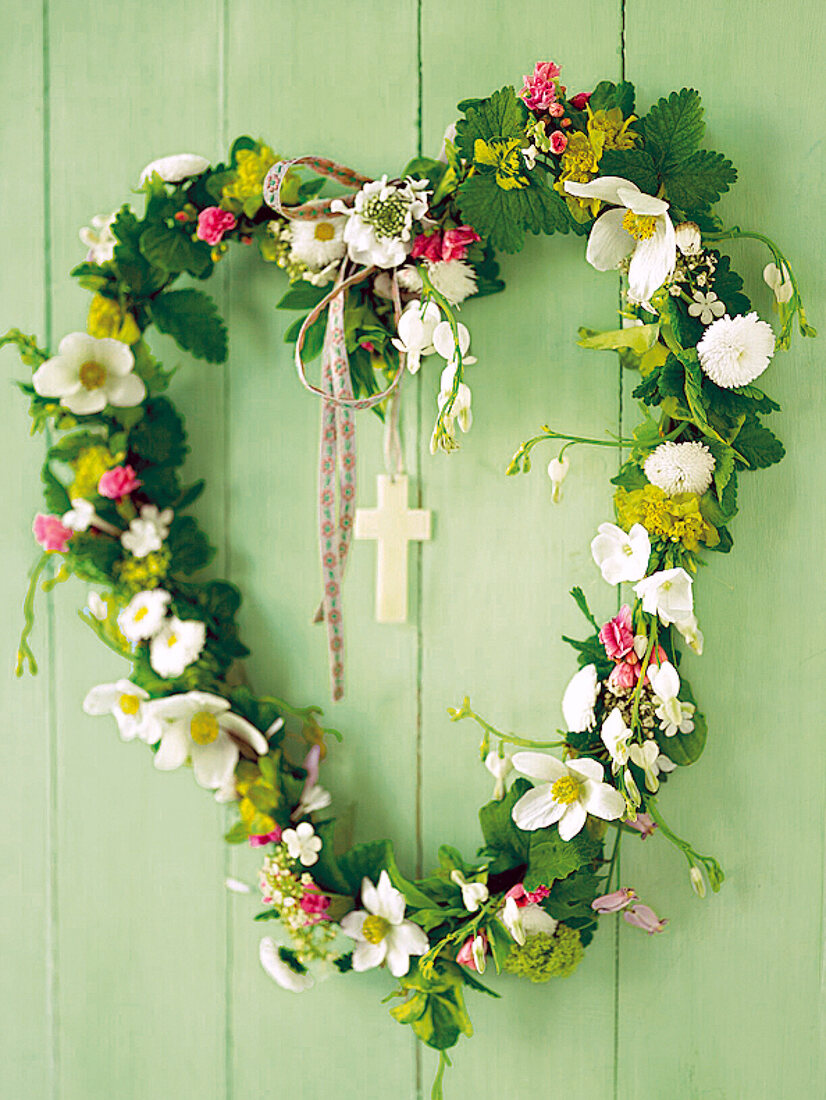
342, 83
140, 907
728, 1002
497, 575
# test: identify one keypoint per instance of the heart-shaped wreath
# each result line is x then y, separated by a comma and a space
377, 277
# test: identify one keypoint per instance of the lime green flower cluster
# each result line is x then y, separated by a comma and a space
138, 574
674, 518
543, 957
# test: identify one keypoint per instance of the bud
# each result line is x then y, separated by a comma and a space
612, 903
688, 238
557, 472
499, 767
778, 281
698, 884
644, 917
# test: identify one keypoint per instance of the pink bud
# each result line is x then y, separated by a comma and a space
428, 247
644, 825
51, 533
559, 142
644, 917
612, 903
259, 840
213, 223
315, 905
580, 99
465, 957
623, 676
118, 483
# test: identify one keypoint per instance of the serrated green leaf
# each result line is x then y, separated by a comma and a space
723, 465
727, 285
632, 164
699, 181
503, 216
579, 598
721, 512
188, 546
630, 477
191, 318
607, 95
502, 115
551, 858
174, 251
499, 829
674, 128
54, 492
758, 445
92, 557
159, 439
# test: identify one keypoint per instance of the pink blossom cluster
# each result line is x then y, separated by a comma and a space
52, 533
450, 245
118, 483
213, 223
541, 89
315, 904
524, 897
617, 636
259, 840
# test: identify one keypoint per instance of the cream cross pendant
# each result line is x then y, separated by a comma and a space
393, 525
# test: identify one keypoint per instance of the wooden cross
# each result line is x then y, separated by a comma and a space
393, 525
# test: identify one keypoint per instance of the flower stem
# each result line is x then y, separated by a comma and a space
25, 656
614, 864
715, 872
465, 711
521, 463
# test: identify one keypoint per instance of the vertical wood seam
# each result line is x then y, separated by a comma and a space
418, 1061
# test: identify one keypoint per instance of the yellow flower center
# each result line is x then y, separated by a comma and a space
92, 375
172, 640
324, 231
141, 613
130, 704
627, 549
203, 728
640, 226
565, 790
375, 928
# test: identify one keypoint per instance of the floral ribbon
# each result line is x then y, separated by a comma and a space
337, 459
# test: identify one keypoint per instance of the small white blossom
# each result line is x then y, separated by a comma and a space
99, 238
620, 556
500, 768
649, 758
557, 472
313, 799
97, 606
131, 709
175, 168
706, 306
176, 646
380, 930
526, 920
680, 467
302, 843
736, 350
415, 332
675, 716
779, 281
87, 374
148, 531
144, 615
690, 630
317, 243
615, 735
474, 894
688, 238
668, 594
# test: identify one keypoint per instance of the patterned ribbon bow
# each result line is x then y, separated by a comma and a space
337, 465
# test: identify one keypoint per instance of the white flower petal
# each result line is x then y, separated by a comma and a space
653, 261
213, 764
587, 768
536, 809
606, 188
175, 745
539, 765
572, 820
603, 801
124, 393
609, 242
367, 956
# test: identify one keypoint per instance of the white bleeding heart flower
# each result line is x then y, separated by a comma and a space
415, 332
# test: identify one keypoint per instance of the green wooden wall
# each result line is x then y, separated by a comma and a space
128, 971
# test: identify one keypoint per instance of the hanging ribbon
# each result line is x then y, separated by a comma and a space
337, 459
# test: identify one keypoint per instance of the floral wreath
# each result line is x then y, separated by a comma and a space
401, 256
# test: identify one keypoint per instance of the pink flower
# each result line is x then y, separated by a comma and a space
465, 957
51, 533
623, 677
580, 99
612, 903
644, 825
368, 346
644, 917
457, 241
213, 223
427, 246
539, 89
524, 897
118, 483
258, 840
559, 142
315, 905
618, 634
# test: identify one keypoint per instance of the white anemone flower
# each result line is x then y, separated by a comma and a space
680, 467
380, 930
147, 532
317, 243
415, 332
736, 350
639, 227
620, 556
175, 168
280, 970
474, 894
302, 843
144, 615
130, 706
176, 645
675, 716
779, 282
380, 224
667, 593
615, 735
526, 920
99, 238
454, 279
651, 760
199, 726
567, 794
579, 700
87, 374
500, 768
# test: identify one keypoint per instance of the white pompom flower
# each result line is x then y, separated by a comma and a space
736, 350
88, 373
175, 168
454, 279
680, 467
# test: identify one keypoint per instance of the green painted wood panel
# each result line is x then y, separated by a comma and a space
129, 971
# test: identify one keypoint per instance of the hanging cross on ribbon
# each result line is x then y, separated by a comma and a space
393, 525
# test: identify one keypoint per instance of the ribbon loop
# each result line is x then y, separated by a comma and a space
315, 208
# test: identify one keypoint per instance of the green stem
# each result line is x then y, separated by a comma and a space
643, 669
456, 715
25, 656
521, 462
432, 293
436, 1093
614, 863
712, 868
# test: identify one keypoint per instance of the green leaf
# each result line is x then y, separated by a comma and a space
721, 512
188, 546
630, 476
425, 168
502, 115
70, 446
639, 338
326, 871
503, 216
579, 599
191, 318
498, 827
189, 495
591, 652
92, 557
174, 251
632, 164
607, 95
142, 277
161, 485
723, 465
54, 492
313, 337
727, 285
551, 858
570, 902
674, 128
758, 445
366, 860
237, 834
302, 295
664, 381
159, 439
699, 181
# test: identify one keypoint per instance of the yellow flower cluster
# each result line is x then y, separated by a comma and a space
673, 519
257, 796
107, 318
89, 467
138, 574
580, 161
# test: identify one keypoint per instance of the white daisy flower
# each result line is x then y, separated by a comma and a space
143, 616
380, 930
317, 243
706, 307
148, 531
280, 970
302, 843
99, 238
454, 279
131, 709
174, 169
380, 224
736, 350
680, 467
176, 646
87, 374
